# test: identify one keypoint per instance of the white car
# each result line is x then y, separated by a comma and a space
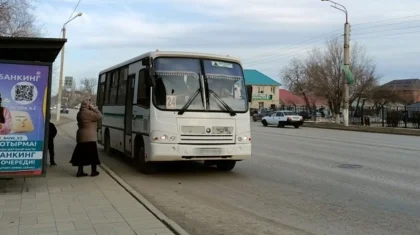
283, 118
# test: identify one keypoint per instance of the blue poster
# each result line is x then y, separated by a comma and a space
23, 97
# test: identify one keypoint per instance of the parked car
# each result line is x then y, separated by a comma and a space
306, 115
283, 118
64, 110
258, 116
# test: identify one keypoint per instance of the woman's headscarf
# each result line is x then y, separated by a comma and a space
84, 104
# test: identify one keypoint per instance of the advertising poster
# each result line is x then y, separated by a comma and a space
23, 92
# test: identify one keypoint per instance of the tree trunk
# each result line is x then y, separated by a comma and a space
331, 106
337, 106
357, 107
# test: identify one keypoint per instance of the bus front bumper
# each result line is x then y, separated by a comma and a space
174, 152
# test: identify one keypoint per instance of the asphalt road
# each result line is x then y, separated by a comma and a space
292, 185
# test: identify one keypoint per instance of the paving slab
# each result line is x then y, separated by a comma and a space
62, 204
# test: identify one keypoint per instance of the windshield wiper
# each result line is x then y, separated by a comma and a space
226, 106
189, 102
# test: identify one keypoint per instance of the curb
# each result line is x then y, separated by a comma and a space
149, 206
63, 120
172, 225
374, 130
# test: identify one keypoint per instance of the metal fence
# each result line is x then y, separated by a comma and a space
396, 117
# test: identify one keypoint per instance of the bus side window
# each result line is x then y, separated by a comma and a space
107, 88
143, 92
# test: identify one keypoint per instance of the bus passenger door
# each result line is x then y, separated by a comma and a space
99, 103
129, 114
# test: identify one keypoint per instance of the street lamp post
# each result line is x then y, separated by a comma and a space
60, 84
346, 59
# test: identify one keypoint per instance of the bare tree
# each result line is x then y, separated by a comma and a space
88, 85
364, 72
325, 72
17, 20
295, 77
381, 96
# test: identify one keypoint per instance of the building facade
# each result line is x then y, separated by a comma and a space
290, 100
69, 84
407, 89
265, 90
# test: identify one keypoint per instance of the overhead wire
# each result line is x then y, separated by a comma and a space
380, 31
388, 35
268, 59
384, 25
303, 41
71, 15
317, 38
308, 48
75, 8
379, 21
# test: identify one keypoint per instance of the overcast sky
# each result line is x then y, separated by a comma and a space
265, 34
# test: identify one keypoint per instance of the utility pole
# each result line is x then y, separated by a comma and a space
60, 84
347, 65
347, 75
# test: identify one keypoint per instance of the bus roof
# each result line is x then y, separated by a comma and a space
154, 54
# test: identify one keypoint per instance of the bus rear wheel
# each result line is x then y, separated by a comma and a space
140, 161
227, 165
107, 144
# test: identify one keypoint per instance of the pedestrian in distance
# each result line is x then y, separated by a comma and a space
51, 135
86, 151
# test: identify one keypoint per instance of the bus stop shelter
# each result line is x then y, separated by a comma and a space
43, 50
25, 92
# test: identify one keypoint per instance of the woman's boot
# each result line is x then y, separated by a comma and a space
80, 172
94, 171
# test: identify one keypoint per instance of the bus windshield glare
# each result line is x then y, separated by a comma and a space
179, 79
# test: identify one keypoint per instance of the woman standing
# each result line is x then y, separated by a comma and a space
86, 152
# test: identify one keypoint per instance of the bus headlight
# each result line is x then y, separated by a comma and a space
244, 138
163, 137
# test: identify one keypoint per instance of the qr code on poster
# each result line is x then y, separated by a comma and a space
24, 92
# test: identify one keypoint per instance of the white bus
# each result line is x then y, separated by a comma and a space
176, 106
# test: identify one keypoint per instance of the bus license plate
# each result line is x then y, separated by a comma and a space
210, 151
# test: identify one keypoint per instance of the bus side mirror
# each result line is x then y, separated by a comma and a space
145, 61
145, 74
249, 92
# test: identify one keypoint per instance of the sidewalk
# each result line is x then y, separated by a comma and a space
62, 204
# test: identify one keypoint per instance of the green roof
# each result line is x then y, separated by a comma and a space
255, 77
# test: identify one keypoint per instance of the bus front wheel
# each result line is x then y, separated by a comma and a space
226, 165
140, 160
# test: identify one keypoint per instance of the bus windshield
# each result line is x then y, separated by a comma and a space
179, 81
226, 81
